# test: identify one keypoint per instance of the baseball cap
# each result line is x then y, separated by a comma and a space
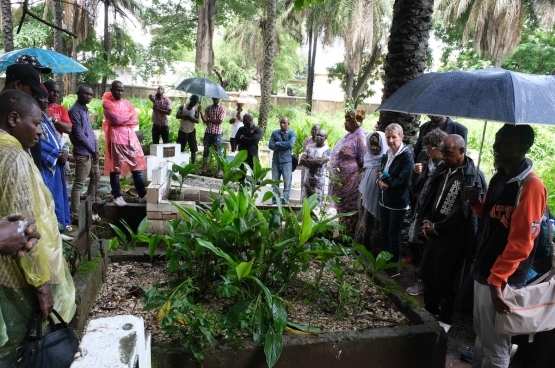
34, 62
194, 98
26, 74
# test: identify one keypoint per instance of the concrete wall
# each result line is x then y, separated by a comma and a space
324, 106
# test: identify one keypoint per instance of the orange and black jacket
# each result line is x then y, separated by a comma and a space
507, 235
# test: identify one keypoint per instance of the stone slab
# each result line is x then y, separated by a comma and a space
158, 192
160, 173
113, 342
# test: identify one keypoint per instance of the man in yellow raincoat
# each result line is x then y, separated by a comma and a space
41, 278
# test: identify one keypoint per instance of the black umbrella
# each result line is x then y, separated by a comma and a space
203, 87
491, 94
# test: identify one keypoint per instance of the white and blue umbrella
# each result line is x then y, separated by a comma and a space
59, 63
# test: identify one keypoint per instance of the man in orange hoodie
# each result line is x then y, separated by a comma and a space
511, 215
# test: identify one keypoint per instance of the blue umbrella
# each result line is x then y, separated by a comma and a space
59, 63
203, 87
491, 94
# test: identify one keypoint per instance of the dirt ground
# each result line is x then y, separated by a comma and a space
461, 335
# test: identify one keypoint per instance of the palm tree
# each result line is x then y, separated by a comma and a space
259, 44
406, 57
361, 25
495, 26
7, 25
268, 26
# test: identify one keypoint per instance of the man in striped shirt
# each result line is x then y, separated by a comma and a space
213, 117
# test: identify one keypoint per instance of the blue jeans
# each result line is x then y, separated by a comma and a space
212, 140
285, 170
137, 179
391, 223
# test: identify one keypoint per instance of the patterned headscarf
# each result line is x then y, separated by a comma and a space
357, 116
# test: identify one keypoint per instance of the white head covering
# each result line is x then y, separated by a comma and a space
368, 187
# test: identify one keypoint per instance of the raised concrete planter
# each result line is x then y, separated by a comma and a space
421, 345
88, 280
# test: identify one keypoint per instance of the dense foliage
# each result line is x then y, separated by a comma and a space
535, 54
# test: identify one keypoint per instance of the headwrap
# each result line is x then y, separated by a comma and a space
368, 187
357, 116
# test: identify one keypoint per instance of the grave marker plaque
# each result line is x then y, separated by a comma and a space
169, 152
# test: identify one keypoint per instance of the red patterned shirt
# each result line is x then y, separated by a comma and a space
214, 112
159, 118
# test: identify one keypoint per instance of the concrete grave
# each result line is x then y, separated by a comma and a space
160, 153
114, 342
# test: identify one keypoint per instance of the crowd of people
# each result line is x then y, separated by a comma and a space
459, 230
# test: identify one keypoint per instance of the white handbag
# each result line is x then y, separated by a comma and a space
532, 309
533, 306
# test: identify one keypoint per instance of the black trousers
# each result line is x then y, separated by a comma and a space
158, 131
233, 143
440, 303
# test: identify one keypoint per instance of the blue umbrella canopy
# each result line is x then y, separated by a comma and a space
59, 63
203, 87
491, 94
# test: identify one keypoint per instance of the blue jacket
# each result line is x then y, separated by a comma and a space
400, 170
282, 144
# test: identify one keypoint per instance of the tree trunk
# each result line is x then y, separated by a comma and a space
73, 87
7, 25
269, 37
406, 58
312, 44
58, 42
349, 62
349, 86
366, 71
106, 44
204, 60
45, 10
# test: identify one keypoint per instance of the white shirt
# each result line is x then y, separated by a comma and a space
187, 126
238, 122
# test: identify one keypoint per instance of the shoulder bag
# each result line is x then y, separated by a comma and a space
53, 350
533, 306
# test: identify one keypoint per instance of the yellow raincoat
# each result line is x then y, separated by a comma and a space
22, 191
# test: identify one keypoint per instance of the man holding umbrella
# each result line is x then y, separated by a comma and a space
511, 216
213, 117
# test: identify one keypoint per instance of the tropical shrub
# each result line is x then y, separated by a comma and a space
247, 257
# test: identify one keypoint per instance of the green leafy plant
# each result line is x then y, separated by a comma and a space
257, 253
180, 173
71, 255
374, 265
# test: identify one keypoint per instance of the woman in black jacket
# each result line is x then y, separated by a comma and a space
393, 180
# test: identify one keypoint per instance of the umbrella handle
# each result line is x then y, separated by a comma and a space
480, 153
